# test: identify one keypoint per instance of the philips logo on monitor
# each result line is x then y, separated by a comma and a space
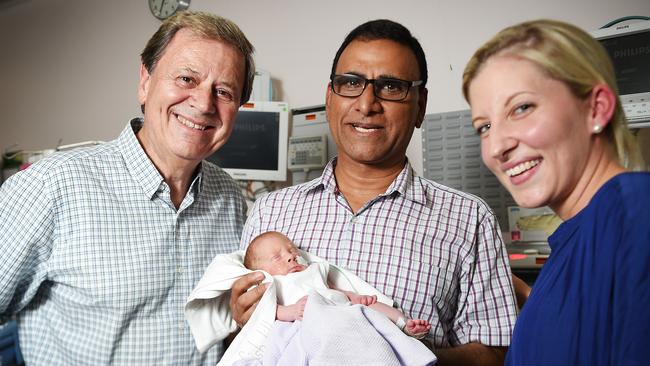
257, 148
629, 48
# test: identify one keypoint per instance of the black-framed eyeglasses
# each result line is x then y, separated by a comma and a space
350, 85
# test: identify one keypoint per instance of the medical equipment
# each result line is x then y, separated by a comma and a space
257, 147
629, 47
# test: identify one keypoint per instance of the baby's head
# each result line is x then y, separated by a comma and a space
274, 253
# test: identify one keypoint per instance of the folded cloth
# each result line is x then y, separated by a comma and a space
330, 334
208, 313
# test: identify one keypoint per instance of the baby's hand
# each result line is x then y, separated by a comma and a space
300, 307
417, 328
289, 313
363, 299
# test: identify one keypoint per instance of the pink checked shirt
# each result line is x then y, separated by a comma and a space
435, 250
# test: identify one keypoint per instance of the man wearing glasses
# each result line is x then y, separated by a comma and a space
435, 250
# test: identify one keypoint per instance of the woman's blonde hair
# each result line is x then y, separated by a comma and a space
570, 55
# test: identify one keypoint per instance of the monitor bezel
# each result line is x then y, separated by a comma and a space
621, 30
279, 174
630, 100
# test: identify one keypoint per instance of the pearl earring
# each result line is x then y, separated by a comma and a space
597, 129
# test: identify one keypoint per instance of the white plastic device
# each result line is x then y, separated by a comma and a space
307, 152
628, 46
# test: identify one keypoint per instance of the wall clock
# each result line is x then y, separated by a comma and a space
163, 9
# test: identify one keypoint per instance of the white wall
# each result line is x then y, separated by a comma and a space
69, 68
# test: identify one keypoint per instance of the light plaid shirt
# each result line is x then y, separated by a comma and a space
96, 261
435, 250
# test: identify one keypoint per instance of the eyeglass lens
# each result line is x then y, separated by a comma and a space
384, 88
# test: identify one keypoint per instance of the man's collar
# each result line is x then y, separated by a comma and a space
137, 162
141, 167
406, 183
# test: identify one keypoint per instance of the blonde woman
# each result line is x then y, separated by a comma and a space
544, 102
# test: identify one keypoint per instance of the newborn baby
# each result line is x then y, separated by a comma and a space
274, 253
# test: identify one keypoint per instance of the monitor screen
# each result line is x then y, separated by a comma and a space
631, 57
257, 147
628, 46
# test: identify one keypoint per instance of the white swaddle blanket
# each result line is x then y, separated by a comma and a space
331, 334
208, 313
290, 288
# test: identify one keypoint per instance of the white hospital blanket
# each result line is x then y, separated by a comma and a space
208, 313
330, 334
290, 288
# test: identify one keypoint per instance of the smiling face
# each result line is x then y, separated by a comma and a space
191, 98
366, 129
536, 136
274, 253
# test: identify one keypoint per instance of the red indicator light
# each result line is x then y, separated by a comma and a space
518, 257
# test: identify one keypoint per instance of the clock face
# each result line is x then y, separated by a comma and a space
163, 9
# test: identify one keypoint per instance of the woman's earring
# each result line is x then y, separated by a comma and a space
598, 129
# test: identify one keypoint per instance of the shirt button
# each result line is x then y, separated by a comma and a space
179, 270
181, 327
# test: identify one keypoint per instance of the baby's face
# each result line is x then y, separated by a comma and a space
277, 255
